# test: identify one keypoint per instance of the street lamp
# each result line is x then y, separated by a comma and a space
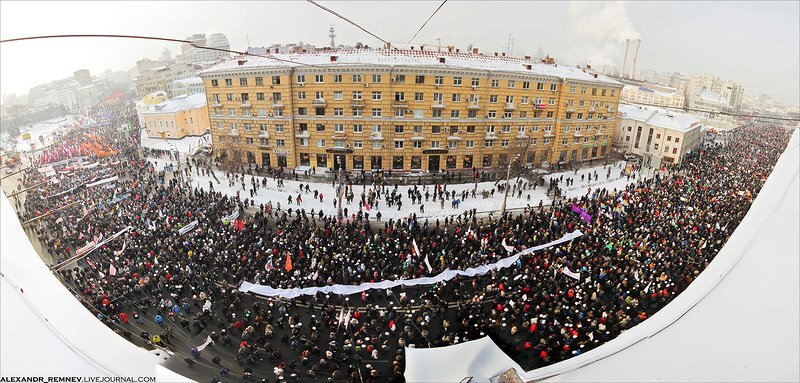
508, 184
339, 213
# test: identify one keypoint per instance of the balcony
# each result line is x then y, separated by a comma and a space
319, 102
357, 103
277, 105
522, 135
263, 134
303, 134
376, 136
438, 105
571, 108
215, 104
578, 133
453, 138
473, 106
510, 106
592, 109
234, 133
339, 135
417, 138
549, 134
400, 104
246, 104
491, 136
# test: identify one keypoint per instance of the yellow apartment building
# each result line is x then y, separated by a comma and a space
406, 110
177, 117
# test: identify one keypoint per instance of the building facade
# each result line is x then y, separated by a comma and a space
731, 93
406, 111
653, 94
191, 54
177, 117
155, 79
657, 135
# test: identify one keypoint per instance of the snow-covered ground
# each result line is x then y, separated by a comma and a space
44, 129
581, 188
183, 145
433, 209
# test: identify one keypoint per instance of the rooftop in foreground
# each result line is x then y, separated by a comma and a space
410, 58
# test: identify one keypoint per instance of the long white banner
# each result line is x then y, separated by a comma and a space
446, 275
106, 180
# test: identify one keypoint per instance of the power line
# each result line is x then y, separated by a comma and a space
426, 21
349, 21
158, 38
722, 113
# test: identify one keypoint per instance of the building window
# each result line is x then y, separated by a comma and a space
280, 143
304, 142
214, 83
337, 78
398, 128
376, 78
493, 98
358, 162
417, 144
436, 113
301, 79
357, 96
376, 112
487, 160
454, 114
476, 82
492, 114
320, 127
338, 111
511, 83
436, 129
397, 162
358, 144
264, 142
452, 144
419, 79
357, 112
469, 144
301, 111
376, 145
553, 87
434, 144
400, 78
301, 95
319, 111
279, 128
495, 83
338, 128
376, 128
358, 128
419, 96
356, 78
398, 144
337, 95
376, 96
228, 82
243, 81
457, 81
416, 162
259, 96
276, 80
438, 80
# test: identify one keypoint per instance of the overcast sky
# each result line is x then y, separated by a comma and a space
754, 43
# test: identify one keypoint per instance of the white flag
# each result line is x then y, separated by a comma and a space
112, 270
416, 248
428, 264
509, 249
206, 343
347, 320
341, 318
571, 274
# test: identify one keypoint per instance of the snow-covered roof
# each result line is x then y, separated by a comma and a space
711, 96
189, 81
682, 122
179, 103
408, 58
46, 331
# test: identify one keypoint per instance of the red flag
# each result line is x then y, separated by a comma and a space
366, 205
288, 266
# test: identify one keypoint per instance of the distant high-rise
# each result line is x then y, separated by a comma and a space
82, 76
192, 53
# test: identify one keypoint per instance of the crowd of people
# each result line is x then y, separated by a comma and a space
181, 263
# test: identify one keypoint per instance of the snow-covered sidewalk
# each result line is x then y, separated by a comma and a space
433, 209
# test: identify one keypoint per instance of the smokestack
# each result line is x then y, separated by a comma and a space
635, 54
624, 58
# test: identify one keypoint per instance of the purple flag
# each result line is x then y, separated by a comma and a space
586, 216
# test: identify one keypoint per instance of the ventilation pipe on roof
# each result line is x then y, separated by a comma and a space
441, 59
474, 51
333, 58
504, 54
635, 55
527, 57
241, 62
495, 54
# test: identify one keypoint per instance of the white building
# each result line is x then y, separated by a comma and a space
655, 134
663, 96
187, 86
730, 91
190, 54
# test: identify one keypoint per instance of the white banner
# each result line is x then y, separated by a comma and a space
387, 284
188, 227
105, 180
